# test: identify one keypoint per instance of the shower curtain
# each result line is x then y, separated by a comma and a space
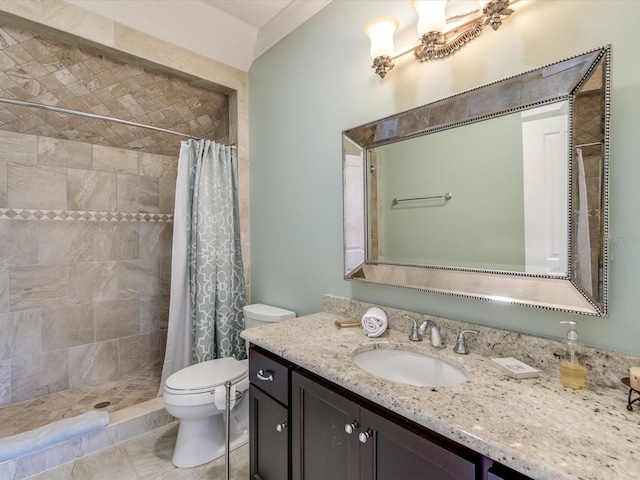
207, 278
583, 247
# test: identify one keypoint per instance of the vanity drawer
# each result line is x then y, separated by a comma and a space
269, 375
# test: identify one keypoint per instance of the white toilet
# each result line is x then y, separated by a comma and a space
196, 396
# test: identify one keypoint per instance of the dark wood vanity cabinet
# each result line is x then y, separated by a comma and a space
315, 443
376, 449
269, 418
269, 447
500, 472
321, 447
392, 452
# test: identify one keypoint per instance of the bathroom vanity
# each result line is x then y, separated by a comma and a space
488, 427
318, 430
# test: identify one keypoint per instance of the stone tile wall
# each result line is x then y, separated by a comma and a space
35, 68
85, 261
587, 131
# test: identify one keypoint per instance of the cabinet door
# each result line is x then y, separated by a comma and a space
500, 472
321, 448
269, 436
391, 453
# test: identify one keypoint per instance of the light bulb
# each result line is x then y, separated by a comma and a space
430, 15
381, 30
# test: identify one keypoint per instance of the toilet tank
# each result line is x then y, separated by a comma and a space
258, 314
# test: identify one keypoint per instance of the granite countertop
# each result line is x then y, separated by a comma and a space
535, 426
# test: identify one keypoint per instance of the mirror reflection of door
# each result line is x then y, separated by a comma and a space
354, 220
545, 167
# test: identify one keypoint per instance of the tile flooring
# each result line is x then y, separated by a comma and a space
123, 392
147, 457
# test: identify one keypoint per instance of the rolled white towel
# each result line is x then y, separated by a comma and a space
374, 322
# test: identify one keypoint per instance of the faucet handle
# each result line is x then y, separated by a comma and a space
415, 334
461, 347
436, 339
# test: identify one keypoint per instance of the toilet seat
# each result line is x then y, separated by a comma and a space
206, 376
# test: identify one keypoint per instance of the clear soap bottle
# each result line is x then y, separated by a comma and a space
573, 373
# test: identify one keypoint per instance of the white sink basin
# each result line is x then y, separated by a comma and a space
408, 367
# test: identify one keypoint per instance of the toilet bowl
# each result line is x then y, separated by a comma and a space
196, 396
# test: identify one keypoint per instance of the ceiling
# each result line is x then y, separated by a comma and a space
273, 19
233, 32
257, 13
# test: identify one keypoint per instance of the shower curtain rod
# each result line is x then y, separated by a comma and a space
90, 115
589, 144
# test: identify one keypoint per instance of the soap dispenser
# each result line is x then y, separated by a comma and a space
573, 372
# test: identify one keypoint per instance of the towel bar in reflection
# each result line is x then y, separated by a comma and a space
446, 196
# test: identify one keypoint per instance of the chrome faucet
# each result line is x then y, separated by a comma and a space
436, 339
418, 332
461, 347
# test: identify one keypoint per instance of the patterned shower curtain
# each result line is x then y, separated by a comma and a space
207, 278
215, 271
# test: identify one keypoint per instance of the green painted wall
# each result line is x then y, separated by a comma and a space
318, 82
482, 226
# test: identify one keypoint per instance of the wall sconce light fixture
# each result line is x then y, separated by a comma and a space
434, 42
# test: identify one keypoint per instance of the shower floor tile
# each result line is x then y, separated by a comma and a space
128, 390
147, 457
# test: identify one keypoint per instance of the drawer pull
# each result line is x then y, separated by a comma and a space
265, 375
364, 436
281, 426
351, 427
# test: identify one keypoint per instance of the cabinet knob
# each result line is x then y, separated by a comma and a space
364, 436
265, 375
281, 426
350, 427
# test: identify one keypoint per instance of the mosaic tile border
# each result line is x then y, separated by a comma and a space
36, 214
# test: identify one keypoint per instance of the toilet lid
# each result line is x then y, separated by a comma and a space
208, 375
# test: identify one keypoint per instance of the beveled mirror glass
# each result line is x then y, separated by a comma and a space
498, 193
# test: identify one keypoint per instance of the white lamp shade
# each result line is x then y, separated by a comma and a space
381, 30
430, 15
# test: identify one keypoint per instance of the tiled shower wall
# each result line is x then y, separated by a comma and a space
85, 260
37, 69
589, 108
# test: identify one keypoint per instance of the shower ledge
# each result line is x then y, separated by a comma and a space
123, 425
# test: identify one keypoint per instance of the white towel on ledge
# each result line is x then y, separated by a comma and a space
52, 434
374, 322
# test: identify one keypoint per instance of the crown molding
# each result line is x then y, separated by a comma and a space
294, 15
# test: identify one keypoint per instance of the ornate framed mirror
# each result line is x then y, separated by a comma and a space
498, 193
